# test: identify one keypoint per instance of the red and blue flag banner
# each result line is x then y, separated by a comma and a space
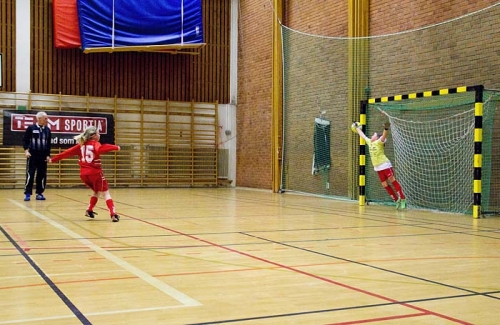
121, 24
66, 29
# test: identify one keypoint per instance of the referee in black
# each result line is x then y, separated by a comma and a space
36, 144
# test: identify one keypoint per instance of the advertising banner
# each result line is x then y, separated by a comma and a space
63, 125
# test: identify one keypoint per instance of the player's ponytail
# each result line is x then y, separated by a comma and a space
87, 134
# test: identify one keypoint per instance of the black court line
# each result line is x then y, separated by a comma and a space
320, 311
412, 222
296, 270
51, 284
366, 215
391, 301
85, 203
373, 267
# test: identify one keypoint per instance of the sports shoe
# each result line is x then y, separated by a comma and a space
40, 197
115, 218
402, 204
27, 197
90, 214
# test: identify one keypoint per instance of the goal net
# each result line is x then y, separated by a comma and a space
431, 144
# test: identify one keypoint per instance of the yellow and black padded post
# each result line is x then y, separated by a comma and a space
478, 155
362, 154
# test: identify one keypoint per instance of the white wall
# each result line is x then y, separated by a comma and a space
227, 136
227, 112
23, 32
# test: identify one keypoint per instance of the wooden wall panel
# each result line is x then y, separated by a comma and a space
8, 44
157, 76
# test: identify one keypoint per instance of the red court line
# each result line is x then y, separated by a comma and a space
116, 278
24, 245
423, 310
427, 312
364, 321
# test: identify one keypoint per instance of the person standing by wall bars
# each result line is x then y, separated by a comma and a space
36, 144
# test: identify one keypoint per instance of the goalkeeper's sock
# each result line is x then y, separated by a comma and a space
398, 188
391, 192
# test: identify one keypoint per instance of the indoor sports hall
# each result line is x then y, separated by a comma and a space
268, 161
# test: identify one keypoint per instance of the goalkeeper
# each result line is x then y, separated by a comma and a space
382, 165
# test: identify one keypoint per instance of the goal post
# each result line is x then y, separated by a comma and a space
435, 144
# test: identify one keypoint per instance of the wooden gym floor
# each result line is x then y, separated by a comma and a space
241, 256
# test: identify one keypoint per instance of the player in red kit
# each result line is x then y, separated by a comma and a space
89, 150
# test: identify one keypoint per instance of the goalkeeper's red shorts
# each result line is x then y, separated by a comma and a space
385, 174
96, 182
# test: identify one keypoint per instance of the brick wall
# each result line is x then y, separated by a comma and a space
462, 52
254, 157
395, 16
253, 163
327, 18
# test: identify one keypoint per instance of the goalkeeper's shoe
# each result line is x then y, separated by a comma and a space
401, 204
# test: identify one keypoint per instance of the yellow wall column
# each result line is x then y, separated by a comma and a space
277, 107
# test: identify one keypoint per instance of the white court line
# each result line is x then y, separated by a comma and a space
160, 285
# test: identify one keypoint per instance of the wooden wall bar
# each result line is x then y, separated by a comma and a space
163, 143
157, 76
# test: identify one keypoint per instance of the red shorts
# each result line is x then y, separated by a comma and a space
385, 174
96, 182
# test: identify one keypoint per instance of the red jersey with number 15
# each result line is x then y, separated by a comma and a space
89, 156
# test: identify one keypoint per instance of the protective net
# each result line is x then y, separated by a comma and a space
431, 146
333, 74
313, 103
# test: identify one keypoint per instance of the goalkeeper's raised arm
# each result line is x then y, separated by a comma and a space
356, 127
383, 137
